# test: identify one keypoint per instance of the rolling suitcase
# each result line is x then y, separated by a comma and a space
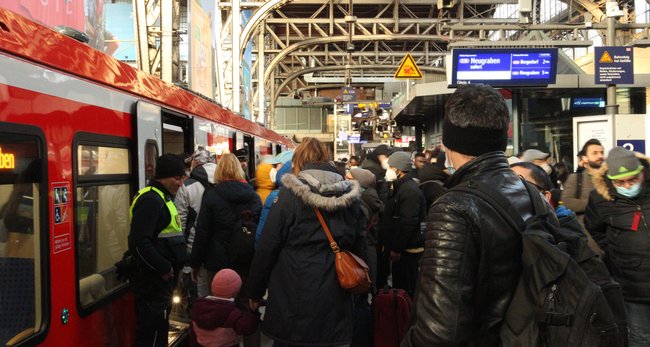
391, 313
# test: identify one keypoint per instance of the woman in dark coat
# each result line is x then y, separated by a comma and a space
306, 306
220, 211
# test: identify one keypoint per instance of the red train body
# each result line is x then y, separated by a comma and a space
79, 132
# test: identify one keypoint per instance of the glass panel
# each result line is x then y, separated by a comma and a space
102, 219
99, 160
20, 281
150, 156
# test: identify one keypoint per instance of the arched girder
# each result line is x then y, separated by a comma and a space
351, 67
344, 38
256, 20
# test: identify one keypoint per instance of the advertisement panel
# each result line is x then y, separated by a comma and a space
51, 13
200, 62
87, 16
120, 31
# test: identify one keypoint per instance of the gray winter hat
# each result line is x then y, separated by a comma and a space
534, 154
622, 163
365, 178
401, 161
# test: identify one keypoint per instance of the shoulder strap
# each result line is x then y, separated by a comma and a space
579, 180
501, 204
333, 244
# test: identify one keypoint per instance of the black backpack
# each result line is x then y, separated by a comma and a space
565, 295
240, 246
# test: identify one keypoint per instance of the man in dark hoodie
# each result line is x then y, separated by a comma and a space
432, 179
400, 236
377, 163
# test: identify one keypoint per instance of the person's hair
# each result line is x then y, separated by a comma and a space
354, 157
310, 151
340, 167
539, 176
229, 169
589, 142
419, 155
477, 105
562, 171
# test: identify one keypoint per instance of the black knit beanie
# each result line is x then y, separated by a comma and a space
169, 165
473, 141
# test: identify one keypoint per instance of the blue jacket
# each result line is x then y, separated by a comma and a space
285, 169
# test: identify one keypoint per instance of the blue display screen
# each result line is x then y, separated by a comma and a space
577, 103
504, 67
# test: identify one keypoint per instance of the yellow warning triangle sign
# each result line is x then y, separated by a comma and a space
606, 58
408, 69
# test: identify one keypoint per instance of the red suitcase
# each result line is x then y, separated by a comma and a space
391, 314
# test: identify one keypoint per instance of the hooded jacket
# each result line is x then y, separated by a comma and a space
217, 220
189, 196
218, 322
472, 260
432, 179
268, 202
263, 182
306, 305
620, 227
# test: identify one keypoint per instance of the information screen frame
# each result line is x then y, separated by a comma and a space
524, 82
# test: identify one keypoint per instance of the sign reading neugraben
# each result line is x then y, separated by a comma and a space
614, 65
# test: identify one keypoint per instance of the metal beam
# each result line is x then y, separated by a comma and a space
322, 40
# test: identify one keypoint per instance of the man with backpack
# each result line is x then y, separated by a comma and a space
617, 218
188, 202
471, 263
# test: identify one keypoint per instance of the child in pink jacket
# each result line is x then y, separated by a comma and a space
216, 321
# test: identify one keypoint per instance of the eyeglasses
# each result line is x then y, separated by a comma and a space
541, 189
628, 181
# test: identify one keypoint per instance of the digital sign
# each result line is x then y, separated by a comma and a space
7, 160
586, 103
504, 67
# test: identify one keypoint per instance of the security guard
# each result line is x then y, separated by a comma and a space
157, 242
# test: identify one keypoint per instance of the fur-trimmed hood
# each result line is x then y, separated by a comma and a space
323, 189
603, 185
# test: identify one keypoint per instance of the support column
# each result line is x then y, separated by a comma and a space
166, 28
260, 75
236, 59
612, 106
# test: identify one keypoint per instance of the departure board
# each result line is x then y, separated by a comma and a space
504, 67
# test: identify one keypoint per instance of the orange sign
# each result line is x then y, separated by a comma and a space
606, 58
408, 69
7, 160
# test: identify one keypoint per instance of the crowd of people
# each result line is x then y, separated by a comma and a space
240, 244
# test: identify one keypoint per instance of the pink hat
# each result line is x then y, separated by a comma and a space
226, 284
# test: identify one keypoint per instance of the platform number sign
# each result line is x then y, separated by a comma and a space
632, 145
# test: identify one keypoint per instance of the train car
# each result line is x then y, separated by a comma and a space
79, 134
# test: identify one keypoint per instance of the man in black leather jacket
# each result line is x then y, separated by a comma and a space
472, 258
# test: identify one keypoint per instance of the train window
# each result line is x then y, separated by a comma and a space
150, 156
21, 175
102, 198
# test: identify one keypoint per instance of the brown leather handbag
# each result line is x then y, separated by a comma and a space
351, 270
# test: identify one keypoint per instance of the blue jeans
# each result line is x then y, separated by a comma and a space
638, 322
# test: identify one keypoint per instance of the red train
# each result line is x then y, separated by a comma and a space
79, 132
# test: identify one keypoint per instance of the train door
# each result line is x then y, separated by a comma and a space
159, 131
149, 135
